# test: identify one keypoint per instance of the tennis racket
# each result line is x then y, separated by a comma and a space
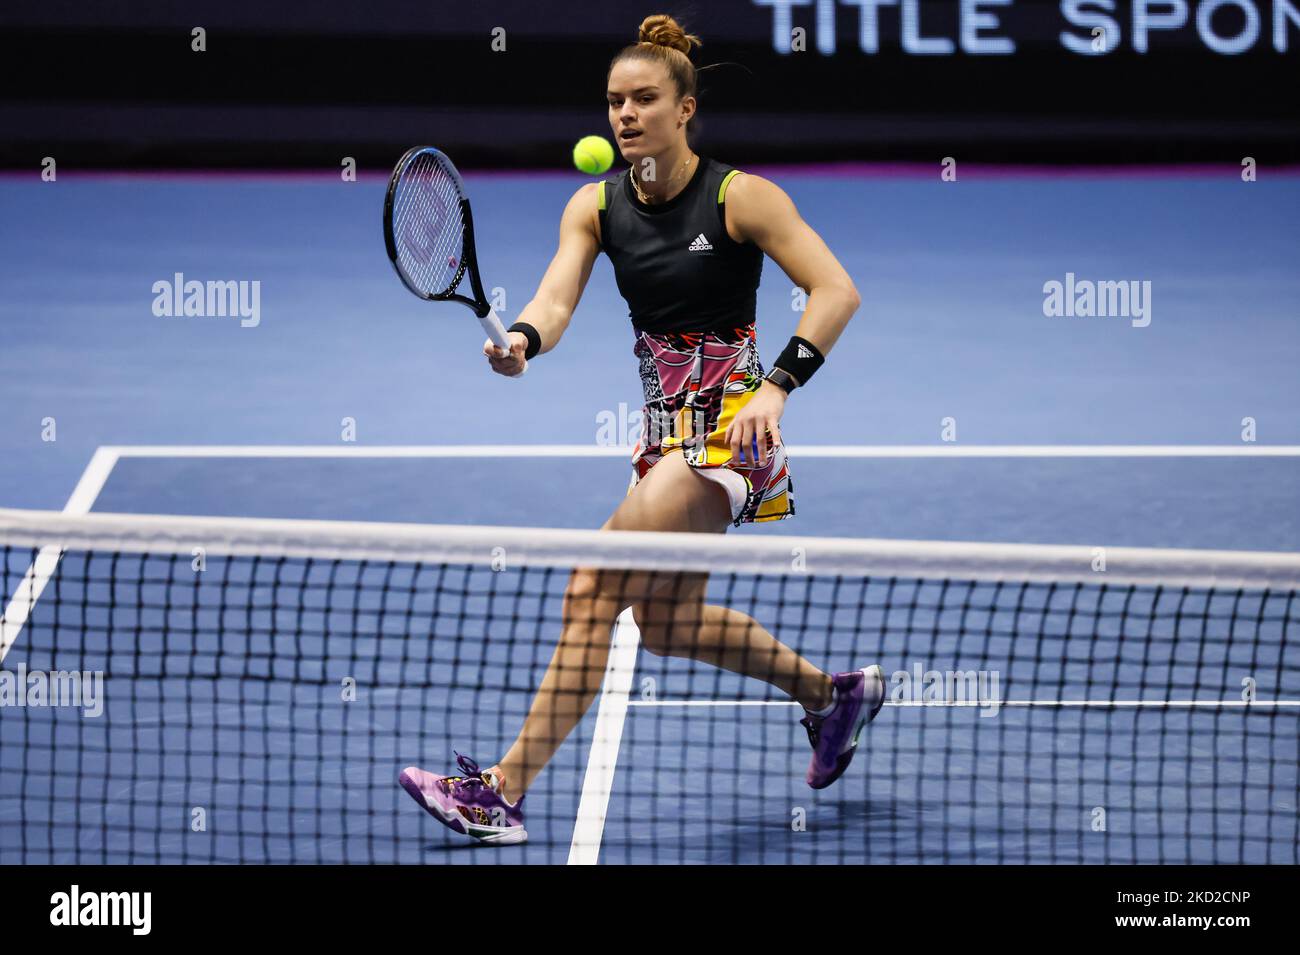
429, 234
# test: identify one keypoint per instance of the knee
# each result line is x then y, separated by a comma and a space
596, 587
656, 639
584, 584
665, 632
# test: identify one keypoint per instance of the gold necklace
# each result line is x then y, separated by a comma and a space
640, 193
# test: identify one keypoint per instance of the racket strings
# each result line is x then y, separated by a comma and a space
428, 226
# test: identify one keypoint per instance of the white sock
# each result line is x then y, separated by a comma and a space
497, 783
835, 698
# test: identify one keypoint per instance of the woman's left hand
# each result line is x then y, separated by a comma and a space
758, 421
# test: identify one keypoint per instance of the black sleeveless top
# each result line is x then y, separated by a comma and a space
674, 262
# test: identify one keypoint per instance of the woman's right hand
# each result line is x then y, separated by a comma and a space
513, 363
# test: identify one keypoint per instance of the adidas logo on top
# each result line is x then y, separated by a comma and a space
700, 244
802, 351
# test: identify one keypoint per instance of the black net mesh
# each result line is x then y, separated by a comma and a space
187, 707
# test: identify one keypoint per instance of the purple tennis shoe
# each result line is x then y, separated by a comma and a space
859, 695
471, 804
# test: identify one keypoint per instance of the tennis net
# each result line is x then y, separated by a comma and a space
194, 690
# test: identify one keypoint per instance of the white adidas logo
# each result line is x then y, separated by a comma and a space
803, 351
700, 244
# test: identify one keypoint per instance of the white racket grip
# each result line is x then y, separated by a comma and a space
496, 332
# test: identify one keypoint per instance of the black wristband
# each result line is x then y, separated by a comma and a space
800, 360
534, 339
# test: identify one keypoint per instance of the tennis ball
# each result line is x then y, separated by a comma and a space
593, 155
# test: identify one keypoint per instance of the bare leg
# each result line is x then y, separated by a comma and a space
685, 626
671, 497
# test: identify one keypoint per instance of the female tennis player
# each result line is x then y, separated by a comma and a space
686, 235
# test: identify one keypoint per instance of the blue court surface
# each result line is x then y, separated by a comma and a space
350, 400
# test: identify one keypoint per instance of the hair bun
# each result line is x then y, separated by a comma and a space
663, 30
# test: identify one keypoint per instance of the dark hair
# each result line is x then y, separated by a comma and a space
662, 40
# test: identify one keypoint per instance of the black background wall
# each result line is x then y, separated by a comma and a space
297, 84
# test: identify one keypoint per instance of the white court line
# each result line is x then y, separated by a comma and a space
1047, 451
47, 559
804, 451
983, 703
377, 451
599, 779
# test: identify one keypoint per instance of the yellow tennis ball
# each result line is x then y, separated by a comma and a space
593, 155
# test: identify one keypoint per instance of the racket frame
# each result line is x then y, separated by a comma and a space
479, 304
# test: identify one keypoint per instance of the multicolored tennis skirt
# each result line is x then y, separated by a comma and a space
695, 383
